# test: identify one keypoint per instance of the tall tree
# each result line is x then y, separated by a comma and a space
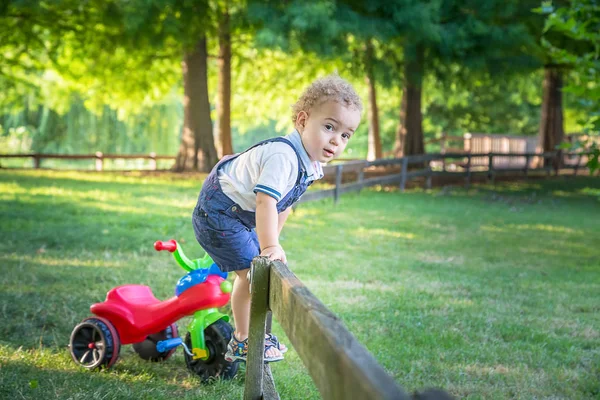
409, 136
197, 150
552, 129
570, 43
374, 139
572, 40
223, 104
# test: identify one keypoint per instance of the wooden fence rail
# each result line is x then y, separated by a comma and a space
340, 367
431, 165
98, 157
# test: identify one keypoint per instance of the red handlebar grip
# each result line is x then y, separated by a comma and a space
170, 245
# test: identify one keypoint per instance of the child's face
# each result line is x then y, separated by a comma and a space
326, 129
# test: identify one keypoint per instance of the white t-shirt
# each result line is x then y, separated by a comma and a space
271, 168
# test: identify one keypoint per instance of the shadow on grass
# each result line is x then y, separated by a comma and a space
24, 380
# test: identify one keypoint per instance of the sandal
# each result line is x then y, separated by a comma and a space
275, 342
238, 351
269, 345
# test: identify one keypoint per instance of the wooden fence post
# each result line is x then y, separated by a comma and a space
403, 173
526, 170
361, 175
468, 178
99, 161
491, 167
37, 161
577, 165
443, 150
269, 323
259, 271
428, 177
338, 183
505, 143
153, 161
467, 146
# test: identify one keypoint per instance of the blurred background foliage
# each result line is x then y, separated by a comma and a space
80, 77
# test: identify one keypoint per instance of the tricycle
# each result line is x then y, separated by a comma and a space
132, 315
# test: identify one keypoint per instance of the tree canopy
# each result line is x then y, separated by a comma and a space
107, 75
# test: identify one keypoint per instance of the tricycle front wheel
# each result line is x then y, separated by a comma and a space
216, 336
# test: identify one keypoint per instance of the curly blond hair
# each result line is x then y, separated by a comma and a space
330, 87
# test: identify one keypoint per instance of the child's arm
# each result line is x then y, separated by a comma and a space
267, 227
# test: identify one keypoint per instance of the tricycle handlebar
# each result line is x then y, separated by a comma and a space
185, 263
170, 245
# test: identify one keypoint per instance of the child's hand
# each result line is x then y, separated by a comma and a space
274, 253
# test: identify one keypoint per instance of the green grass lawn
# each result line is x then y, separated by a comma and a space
489, 293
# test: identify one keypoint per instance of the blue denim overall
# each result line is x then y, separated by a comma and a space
225, 231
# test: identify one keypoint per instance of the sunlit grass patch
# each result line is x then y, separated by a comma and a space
374, 233
58, 261
590, 191
546, 228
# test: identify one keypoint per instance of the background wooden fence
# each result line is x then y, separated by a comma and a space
399, 171
475, 143
340, 367
97, 157
497, 143
427, 166
484, 143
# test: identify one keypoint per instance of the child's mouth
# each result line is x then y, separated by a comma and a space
328, 153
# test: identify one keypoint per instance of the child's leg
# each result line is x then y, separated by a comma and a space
240, 306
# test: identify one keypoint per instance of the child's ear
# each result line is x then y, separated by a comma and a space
301, 121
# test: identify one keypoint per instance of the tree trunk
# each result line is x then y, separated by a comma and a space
552, 131
197, 149
374, 139
409, 136
223, 106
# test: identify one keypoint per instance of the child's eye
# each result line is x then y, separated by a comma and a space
346, 136
329, 127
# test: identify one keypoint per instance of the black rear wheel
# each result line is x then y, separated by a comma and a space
147, 348
216, 336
